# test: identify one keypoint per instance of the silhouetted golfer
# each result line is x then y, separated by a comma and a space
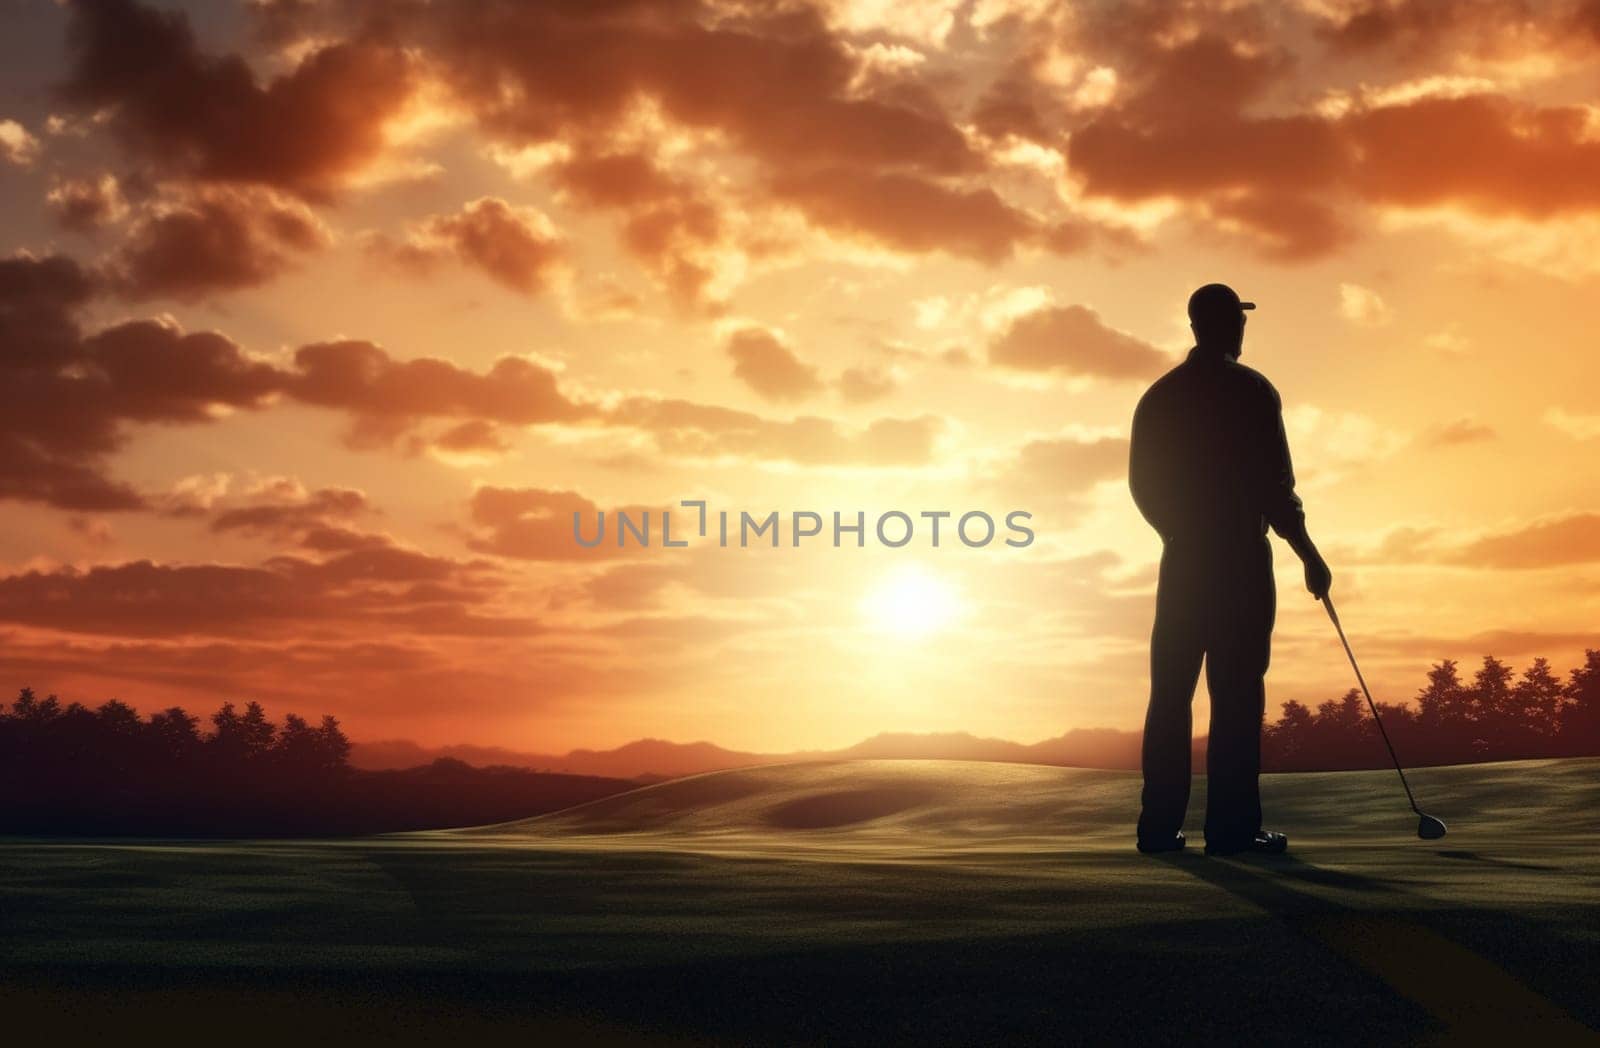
1210, 471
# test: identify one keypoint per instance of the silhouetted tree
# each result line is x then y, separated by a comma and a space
1580, 716
1444, 704
105, 771
1492, 718
335, 748
1532, 712
256, 731
108, 770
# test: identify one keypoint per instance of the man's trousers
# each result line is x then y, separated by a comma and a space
1216, 602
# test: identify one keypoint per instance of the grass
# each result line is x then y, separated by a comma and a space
860, 902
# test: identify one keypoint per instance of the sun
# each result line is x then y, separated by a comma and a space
912, 602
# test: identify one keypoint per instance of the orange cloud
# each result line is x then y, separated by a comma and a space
907, 212
536, 524
517, 247
769, 367
1572, 539
671, 226
684, 428
1074, 341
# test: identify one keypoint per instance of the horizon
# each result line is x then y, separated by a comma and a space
301, 402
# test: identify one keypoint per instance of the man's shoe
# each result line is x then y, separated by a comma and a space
1265, 842
1156, 845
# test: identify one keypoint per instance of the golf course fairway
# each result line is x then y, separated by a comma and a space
858, 902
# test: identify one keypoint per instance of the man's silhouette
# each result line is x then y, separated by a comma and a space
1210, 471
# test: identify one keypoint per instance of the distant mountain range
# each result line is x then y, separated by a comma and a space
652, 759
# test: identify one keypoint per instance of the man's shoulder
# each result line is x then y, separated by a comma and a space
1172, 377
1249, 378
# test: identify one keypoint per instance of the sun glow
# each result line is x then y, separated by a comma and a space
911, 602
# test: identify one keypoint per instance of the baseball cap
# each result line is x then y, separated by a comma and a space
1215, 300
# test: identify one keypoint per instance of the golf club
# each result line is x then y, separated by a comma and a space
1428, 828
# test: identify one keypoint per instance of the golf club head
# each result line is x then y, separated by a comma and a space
1429, 828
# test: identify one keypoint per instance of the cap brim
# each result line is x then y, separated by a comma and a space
1247, 305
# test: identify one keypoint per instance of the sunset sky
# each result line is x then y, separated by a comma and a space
319, 319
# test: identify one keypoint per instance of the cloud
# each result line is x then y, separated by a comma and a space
67, 397
1461, 431
537, 524
1052, 477
1072, 463
907, 212
214, 240
864, 384
289, 514
704, 431
769, 367
1363, 306
365, 380
1343, 439
284, 596
188, 113
64, 396
527, 72
473, 436
1464, 32
1210, 121
17, 144
1073, 341
517, 247
1577, 425
1554, 542
82, 205
673, 227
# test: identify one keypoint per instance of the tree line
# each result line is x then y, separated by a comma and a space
69, 769
1497, 715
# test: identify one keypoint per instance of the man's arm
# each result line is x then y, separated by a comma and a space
1282, 507
1150, 489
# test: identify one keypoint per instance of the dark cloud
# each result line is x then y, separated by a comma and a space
301, 514
185, 112
775, 82
1419, 34
1189, 130
514, 246
365, 380
285, 595
68, 397
217, 240
64, 397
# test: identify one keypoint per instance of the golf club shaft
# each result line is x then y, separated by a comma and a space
1328, 603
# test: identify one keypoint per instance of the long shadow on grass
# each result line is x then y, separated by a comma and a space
1381, 931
